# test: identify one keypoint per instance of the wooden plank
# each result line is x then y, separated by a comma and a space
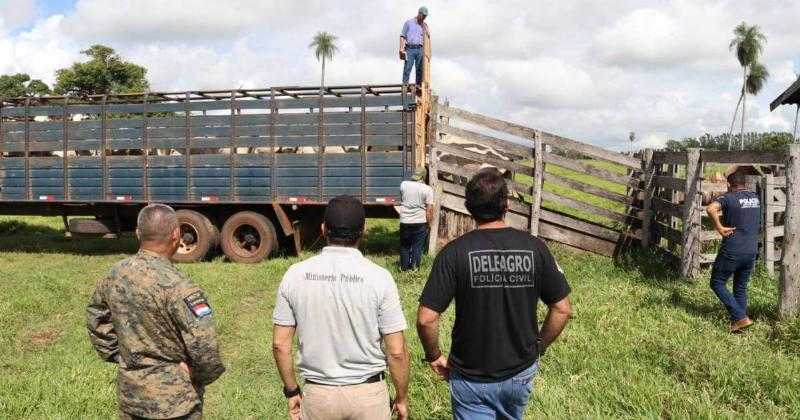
538, 185
670, 234
668, 208
671, 183
438, 189
743, 157
480, 158
547, 138
585, 207
459, 171
669, 158
587, 188
576, 239
505, 146
580, 225
587, 169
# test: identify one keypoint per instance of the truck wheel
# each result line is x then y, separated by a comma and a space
196, 237
248, 237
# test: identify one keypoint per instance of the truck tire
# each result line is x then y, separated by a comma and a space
196, 236
248, 237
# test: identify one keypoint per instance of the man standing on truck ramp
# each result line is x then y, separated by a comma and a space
342, 307
416, 211
153, 322
741, 211
497, 275
411, 39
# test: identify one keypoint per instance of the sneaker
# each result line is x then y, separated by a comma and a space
741, 325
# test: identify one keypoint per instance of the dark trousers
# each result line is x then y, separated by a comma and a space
413, 240
740, 267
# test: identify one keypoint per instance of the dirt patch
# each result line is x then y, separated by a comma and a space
43, 338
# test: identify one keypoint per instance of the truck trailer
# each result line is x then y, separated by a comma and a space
249, 170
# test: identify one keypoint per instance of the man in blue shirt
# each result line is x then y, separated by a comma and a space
411, 40
741, 211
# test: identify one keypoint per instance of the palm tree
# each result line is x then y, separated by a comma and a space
324, 48
748, 42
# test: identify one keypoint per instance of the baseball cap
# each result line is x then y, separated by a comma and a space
344, 217
423, 10
419, 174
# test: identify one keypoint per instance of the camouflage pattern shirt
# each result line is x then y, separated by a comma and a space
148, 317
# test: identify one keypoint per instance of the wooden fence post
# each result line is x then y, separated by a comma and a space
648, 174
767, 223
690, 257
789, 288
538, 184
433, 180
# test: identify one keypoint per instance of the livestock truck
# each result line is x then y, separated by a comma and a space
247, 170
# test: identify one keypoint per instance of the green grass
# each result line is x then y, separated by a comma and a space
641, 345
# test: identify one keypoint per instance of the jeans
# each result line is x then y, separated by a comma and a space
413, 240
491, 400
413, 58
739, 266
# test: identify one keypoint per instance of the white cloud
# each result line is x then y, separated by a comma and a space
15, 13
594, 72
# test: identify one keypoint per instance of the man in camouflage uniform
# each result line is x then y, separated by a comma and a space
156, 324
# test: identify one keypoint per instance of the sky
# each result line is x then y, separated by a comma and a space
590, 70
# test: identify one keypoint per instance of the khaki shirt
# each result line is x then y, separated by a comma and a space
147, 316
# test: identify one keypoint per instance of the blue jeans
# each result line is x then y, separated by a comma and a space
740, 267
491, 400
413, 58
413, 241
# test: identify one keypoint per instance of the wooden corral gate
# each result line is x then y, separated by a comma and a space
680, 191
544, 173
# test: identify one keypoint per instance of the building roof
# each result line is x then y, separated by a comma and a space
789, 96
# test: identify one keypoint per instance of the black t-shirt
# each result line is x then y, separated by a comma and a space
497, 277
741, 210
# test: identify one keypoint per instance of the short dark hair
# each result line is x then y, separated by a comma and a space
737, 179
344, 220
487, 196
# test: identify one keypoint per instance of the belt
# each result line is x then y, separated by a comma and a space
413, 46
371, 380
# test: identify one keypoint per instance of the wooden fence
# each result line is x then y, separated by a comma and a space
678, 192
546, 175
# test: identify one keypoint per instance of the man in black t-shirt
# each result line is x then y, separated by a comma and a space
496, 274
741, 210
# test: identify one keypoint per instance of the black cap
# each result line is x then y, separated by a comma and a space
344, 218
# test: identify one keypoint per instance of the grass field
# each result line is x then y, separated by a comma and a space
641, 345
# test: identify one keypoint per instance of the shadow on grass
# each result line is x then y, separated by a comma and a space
16, 236
381, 240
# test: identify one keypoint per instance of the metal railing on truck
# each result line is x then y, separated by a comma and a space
281, 144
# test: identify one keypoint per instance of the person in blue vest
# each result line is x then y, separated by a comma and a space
740, 225
411, 39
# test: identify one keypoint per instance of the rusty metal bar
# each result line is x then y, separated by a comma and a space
145, 151
232, 150
104, 148
321, 148
273, 172
363, 145
65, 161
188, 146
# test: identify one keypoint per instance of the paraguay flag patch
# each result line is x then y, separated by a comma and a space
198, 305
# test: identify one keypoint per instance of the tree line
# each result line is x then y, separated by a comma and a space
104, 73
763, 142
